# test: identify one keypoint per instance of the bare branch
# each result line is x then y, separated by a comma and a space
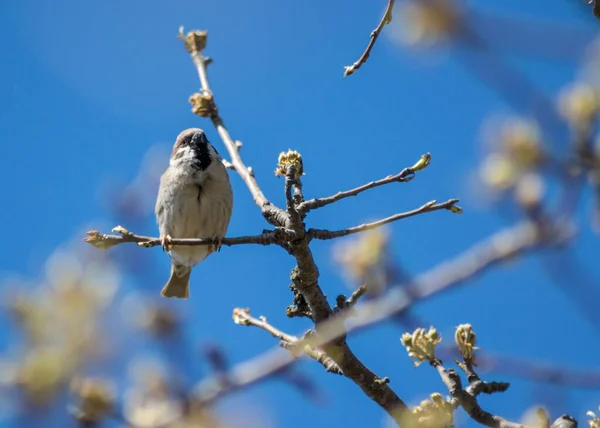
356, 295
291, 187
387, 18
404, 176
103, 241
292, 343
489, 387
426, 208
305, 277
467, 399
345, 306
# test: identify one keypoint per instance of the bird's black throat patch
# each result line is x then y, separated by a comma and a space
200, 146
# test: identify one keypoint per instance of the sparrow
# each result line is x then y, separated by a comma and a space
195, 200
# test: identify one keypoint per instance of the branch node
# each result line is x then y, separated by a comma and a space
194, 41
299, 307
228, 164
382, 381
203, 105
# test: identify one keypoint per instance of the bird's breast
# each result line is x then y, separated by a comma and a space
197, 212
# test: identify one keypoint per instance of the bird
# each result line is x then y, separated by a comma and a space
195, 200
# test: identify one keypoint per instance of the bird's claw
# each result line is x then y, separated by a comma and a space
166, 243
217, 242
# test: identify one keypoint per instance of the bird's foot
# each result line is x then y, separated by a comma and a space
217, 242
166, 243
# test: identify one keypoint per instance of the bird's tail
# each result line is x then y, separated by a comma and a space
178, 284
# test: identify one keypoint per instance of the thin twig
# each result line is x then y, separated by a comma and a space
467, 399
387, 18
425, 208
243, 317
356, 295
403, 176
103, 241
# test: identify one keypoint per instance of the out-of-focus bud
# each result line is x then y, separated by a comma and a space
365, 259
529, 191
41, 374
535, 417
579, 104
520, 140
497, 172
434, 413
426, 23
160, 321
96, 399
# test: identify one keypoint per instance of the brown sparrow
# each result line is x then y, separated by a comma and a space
195, 200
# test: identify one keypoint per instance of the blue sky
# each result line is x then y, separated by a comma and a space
89, 88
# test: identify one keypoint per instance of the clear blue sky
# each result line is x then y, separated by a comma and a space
89, 87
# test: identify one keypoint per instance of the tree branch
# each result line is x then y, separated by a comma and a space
467, 399
103, 241
289, 342
305, 277
346, 304
387, 18
426, 208
404, 176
